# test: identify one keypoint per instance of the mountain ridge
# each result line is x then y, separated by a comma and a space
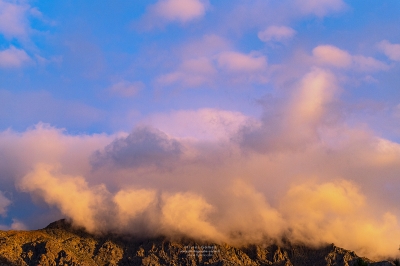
61, 243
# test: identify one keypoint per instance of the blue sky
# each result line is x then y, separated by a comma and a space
74, 52
290, 97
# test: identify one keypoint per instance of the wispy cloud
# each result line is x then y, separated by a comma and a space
333, 56
125, 88
390, 50
240, 67
276, 33
319, 8
13, 19
169, 11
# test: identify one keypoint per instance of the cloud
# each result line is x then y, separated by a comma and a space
197, 65
364, 63
238, 62
253, 219
276, 33
239, 67
126, 89
390, 50
4, 202
18, 225
191, 73
313, 213
13, 19
333, 56
295, 124
186, 214
48, 145
15, 225
319, 8
176, 10
331, 211
301, 171
143, 147
13, 58
132, 203
62, 191
202, 124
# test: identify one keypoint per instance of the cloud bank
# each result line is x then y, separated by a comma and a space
299, 172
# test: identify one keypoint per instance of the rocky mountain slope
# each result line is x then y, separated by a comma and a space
60, 244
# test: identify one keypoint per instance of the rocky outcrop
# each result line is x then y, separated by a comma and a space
61, 244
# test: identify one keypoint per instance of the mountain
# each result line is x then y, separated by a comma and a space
61, 244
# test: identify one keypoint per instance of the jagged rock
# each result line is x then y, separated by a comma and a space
62, 244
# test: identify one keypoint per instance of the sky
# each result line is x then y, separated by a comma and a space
231, 121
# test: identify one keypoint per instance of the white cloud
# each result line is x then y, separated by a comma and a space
13, 58
13, 20
126, 89
179, 10
333, 56
390, 50
276, 33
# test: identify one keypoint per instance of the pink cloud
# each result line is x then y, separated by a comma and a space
238, 62
333, 56
13, 58
276, 33
319, 8
367, 63
202, 124
179, 10
390, 50
203, 70
191, 73
13, 21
